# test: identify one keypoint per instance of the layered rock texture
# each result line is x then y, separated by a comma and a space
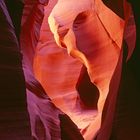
79, 61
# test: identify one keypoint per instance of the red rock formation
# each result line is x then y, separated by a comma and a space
93, 34
75, 64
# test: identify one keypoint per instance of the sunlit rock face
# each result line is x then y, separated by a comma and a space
92, 34
55, 69
70, 48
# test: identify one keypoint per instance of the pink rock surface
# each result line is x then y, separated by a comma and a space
47, 121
